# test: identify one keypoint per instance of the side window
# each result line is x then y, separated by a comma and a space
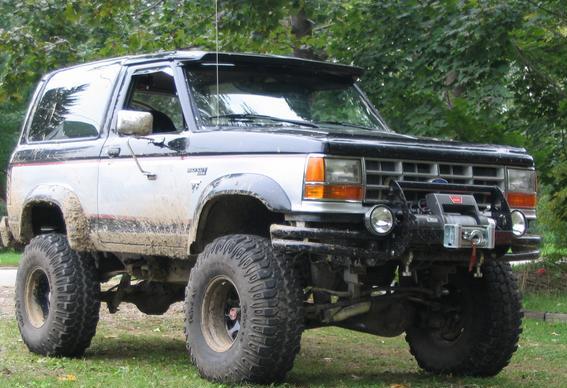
156, 93
73, 104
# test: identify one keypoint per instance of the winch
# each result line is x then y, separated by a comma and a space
463, 224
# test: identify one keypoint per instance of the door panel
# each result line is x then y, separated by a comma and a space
134, 209
143, 201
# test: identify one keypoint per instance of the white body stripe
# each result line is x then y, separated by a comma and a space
116, 189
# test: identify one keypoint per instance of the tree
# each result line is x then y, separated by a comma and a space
485, 70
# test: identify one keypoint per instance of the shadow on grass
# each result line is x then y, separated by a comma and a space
367, 378
147, 348
317, 373
309, 369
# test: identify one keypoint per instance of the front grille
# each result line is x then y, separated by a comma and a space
380, 172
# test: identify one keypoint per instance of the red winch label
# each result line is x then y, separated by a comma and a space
456, 199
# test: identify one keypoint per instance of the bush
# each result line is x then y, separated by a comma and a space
552, 209
547, 276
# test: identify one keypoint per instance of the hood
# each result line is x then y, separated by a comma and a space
396, 146
353, 142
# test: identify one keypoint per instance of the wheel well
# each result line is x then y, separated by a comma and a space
232, 214
40, 218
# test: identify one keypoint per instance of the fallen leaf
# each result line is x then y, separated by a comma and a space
68, 377
157, 330
399, 386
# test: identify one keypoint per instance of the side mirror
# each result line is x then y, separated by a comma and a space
133, 122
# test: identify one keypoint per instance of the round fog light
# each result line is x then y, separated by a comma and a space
519, 223
380, 220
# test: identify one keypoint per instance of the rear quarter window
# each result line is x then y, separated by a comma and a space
73, 104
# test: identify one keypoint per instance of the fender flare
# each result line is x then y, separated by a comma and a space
62, 197
258, 186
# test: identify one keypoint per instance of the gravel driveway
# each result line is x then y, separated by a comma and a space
127, 311
6, 301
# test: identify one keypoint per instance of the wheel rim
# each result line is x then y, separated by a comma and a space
455, 318
37, 297
220, 322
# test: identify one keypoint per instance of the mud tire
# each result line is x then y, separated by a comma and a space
492, 326
271, 311
69, 318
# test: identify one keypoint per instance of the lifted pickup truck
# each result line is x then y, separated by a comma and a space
268, 194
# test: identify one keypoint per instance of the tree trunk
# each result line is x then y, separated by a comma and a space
302, 26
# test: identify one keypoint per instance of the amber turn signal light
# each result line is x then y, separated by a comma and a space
522, 200
333, 192
315, 171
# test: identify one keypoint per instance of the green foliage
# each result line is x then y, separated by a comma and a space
9, 258
488, 71
11, 116
553, 207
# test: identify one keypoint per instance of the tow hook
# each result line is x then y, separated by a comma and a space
476, 238
407, 262
478, 272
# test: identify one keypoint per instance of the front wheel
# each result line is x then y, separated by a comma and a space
243, 312
57, 293
476, 328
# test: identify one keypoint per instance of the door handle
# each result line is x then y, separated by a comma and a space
149, 175
113, 151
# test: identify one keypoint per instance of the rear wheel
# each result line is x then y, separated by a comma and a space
476, 330
57, 302
243, 312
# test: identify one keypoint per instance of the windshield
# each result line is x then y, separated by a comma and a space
277, 97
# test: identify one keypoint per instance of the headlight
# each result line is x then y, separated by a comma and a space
379, 220
521, 188
333, 179
342, 171
519, 223
521, 181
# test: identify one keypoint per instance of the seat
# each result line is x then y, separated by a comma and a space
162, 123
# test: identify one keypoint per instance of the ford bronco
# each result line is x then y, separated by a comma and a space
269, 195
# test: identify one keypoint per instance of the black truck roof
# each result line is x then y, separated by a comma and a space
240, 58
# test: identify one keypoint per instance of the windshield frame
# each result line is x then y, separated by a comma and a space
200, 127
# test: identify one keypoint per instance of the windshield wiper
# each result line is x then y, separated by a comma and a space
343, 124
250, 116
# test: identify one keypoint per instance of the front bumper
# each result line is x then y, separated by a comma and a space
352, 243
345, 239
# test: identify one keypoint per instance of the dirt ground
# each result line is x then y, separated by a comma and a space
6, 301
127, 311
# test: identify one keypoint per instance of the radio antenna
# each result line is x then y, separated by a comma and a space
217, 113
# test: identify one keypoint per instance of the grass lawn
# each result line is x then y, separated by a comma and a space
150, 351
9, 258
134, 350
